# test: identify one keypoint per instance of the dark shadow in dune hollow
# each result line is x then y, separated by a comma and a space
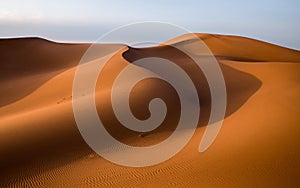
240, 86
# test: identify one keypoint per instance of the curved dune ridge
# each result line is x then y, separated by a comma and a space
258, 144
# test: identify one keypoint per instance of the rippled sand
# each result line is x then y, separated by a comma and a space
258, 145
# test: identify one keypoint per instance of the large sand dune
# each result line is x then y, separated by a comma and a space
258, 145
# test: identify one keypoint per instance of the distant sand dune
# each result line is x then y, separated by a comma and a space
258, 144
240, 48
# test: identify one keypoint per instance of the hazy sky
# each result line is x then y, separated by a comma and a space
73, 20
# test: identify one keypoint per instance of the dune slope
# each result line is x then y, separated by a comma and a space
258, 144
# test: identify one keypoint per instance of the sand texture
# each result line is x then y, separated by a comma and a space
258, 145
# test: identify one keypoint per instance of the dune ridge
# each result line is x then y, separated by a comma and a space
257, 146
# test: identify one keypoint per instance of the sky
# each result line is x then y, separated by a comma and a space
273, 21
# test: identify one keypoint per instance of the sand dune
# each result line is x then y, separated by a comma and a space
258, 144
240, 48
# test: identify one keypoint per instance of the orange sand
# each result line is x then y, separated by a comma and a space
258, 144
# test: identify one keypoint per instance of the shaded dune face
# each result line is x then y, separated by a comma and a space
27, 63
37, 127
238, 90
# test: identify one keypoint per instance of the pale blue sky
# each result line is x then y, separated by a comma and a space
73, 20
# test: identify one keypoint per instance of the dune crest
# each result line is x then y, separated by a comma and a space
40, 144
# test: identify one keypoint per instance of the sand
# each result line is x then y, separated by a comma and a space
258, 144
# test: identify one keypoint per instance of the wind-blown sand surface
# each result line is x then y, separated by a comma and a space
258, 145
